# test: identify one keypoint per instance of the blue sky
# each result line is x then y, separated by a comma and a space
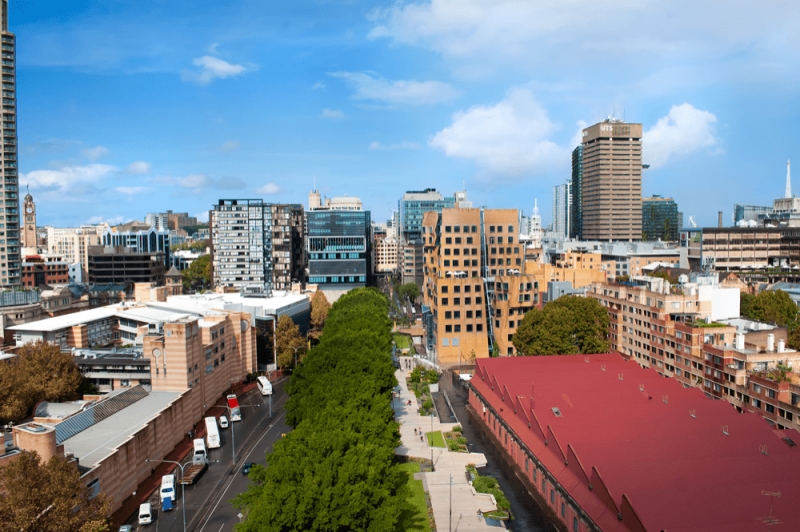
128, 107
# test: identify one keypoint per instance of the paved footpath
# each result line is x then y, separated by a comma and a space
448, 466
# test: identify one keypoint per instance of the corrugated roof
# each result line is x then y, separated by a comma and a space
633, 430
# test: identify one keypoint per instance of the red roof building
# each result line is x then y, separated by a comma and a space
609, 445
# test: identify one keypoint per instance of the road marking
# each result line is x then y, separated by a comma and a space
230, 481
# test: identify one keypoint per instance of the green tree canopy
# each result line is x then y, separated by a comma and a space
336, 470
198, 274
410, 291
289, 344
40, 372
49, 496
771, 306
568, 325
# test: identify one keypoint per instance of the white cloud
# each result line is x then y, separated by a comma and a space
138, 167
318, 86
199, 182
333, 114
684, 130
369, 86
95, 153
525, 34
68, 177
405, 145
229, 146
509, 138
114, 220
130, 191
269, 189
211, 68
202, 217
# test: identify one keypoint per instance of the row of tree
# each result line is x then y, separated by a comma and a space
336, 470
290, 345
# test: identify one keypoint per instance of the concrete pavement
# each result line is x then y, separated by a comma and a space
455, 504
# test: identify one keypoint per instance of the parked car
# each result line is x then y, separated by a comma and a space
126, 528
223, 422
247, 467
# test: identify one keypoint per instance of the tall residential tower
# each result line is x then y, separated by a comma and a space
9, 208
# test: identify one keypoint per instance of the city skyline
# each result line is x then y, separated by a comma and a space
178, 105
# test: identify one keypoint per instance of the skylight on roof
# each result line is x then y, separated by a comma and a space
556, 411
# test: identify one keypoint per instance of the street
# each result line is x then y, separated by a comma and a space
208, 506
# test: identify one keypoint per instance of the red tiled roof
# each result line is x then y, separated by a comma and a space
629, 432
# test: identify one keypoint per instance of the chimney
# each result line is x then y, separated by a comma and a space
739, 341
719, 219
770, 342
781, 346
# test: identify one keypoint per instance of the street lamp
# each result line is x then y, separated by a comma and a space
295, 353
183, 494
233, 435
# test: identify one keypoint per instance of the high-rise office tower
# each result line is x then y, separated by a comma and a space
411, 209
9, 208
611, 184
562, 199
660, 219
576, 212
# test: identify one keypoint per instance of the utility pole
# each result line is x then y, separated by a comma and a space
450, 520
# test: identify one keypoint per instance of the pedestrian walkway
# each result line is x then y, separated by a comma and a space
455, 504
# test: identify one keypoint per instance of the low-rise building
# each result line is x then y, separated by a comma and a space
39, 270
118, 264
603, 444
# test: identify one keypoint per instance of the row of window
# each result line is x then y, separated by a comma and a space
457, 301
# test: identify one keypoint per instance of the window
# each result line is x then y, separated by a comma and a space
444, 289
552, 496
448, 328
457, 329
469, 327
445, 301
574, 524
563, 509
448, 315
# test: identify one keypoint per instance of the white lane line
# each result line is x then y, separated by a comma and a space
230, 482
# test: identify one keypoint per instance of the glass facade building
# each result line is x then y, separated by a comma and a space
576, 212
413, 206
339, 248
660, 219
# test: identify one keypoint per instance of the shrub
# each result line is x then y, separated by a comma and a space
457, 428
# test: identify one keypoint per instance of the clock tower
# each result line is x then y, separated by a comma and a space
29, 224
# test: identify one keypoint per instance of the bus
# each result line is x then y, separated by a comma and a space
212, 433
264, 386
233, 404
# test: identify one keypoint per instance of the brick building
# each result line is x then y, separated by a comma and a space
603, 444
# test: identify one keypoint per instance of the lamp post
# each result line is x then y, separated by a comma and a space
183, 494
295, 353
233, 435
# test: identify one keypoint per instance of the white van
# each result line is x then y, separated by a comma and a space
200, 454
145, 514
264, 386
168, 487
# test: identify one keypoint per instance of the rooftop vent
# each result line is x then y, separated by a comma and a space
556, 411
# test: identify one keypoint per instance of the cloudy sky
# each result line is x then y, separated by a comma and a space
129, 106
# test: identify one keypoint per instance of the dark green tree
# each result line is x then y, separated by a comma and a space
771, 306
410, 291
198, 274
568, 325
336, 470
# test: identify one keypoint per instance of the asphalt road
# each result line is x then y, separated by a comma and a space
208, 506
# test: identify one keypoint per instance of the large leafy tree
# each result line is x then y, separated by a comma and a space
772, 306
410, 291
40, 372
568, 325
49, 497
198, 274
289, 344
336, 470
319, 313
